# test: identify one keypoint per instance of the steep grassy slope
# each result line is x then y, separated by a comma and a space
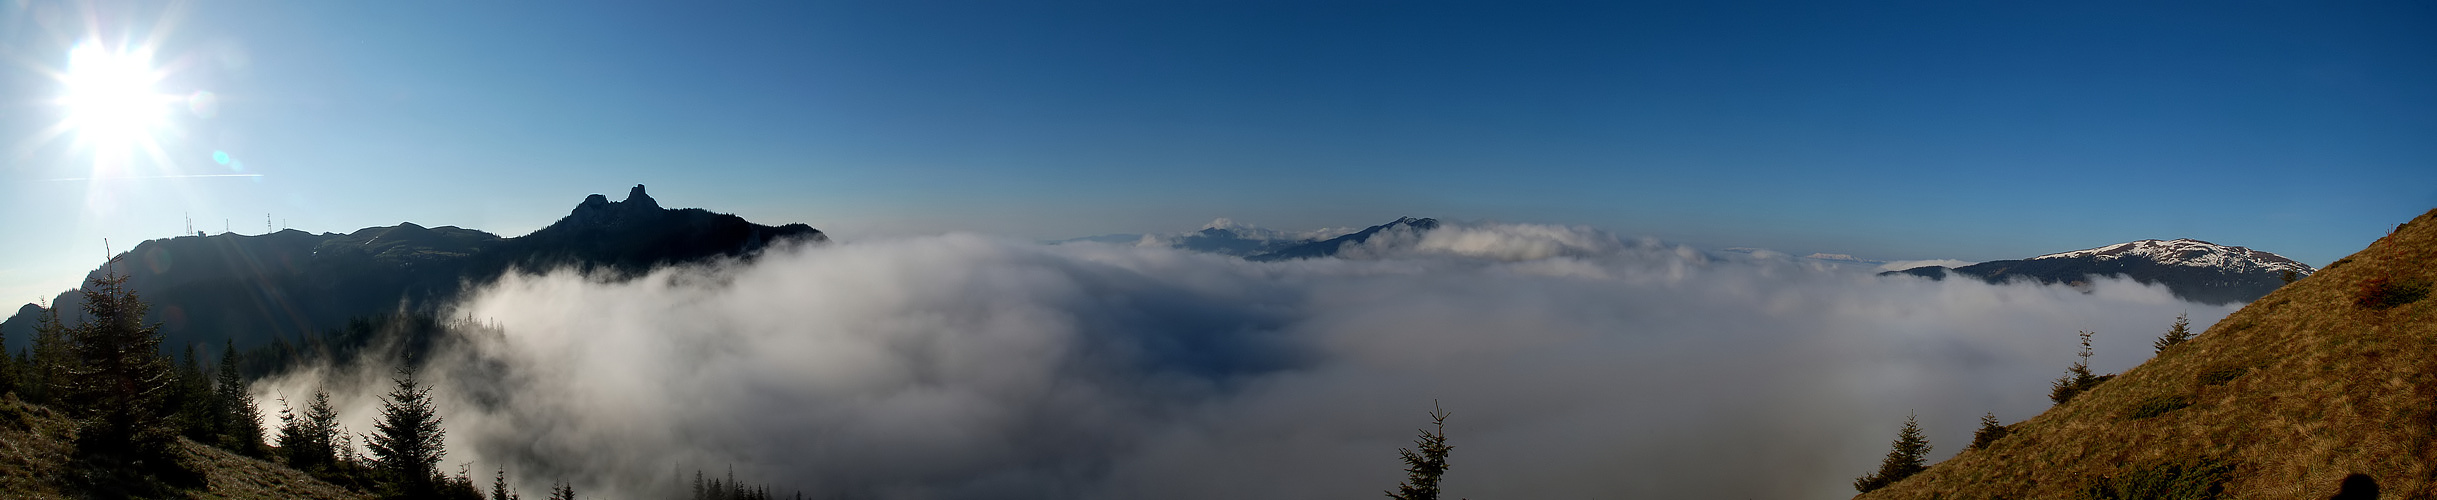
35, 450
2331, 376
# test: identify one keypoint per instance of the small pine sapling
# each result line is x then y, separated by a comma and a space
2181, 332
1990, 431
2078, 378
1909, 456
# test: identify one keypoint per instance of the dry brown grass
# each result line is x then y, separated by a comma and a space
36, 446
2295, 391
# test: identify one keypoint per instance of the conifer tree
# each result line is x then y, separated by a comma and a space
321, 429
406, 443
499, 486
562, 491
193, 400
290, 438
308, 440
121, 378
1424, 468
52, 359
2182, 331
2078, 377
240, 424
460, 486
1990, 431
1909, 456
8, 366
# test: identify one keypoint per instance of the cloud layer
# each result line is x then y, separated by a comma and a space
1576, 365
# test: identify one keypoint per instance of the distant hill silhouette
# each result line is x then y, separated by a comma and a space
2194, 270
2325, 388
1330, 247
204, 289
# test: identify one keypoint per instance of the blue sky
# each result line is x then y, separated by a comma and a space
1882, 130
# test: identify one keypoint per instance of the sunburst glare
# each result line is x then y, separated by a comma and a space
111, 105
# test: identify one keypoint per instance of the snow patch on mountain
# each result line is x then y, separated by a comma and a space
2190, 252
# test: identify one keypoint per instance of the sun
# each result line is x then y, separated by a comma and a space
109, 99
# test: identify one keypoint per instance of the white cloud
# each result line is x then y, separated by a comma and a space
1577, 365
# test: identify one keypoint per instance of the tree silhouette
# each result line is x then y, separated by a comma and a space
2178, 334
307, 440
240, 425
192, 400
499, 486
1424, 468
1909, 457
120, 379
1990, 431
8, 366
406, 446
2078, 378
52, 360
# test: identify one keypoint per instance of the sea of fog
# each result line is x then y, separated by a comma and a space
1576, 365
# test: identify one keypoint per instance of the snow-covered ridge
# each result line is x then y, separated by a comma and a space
2190, 252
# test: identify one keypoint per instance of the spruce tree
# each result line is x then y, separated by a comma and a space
499, 486
52, 359
8, 366
121, 379
2078, 377
308, 440
1909, 456
321, 430
2182, 331
1990, 431
1424, 468
240, 424
406, 442
290, 438
196, 414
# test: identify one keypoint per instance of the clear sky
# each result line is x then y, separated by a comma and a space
1879, 129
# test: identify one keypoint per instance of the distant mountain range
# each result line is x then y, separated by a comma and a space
1226, 237
2194, 270
251, 289
1330, 247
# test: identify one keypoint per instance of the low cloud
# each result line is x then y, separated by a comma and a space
1576, 364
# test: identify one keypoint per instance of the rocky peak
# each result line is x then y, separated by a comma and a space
637, 200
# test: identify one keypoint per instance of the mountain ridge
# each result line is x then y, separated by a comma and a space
2192, 269
2323, 386
289, 284
1330, 247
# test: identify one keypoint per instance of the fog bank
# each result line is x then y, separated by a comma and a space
1576, 364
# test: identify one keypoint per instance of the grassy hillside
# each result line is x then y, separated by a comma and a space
2331, 376
36, 446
